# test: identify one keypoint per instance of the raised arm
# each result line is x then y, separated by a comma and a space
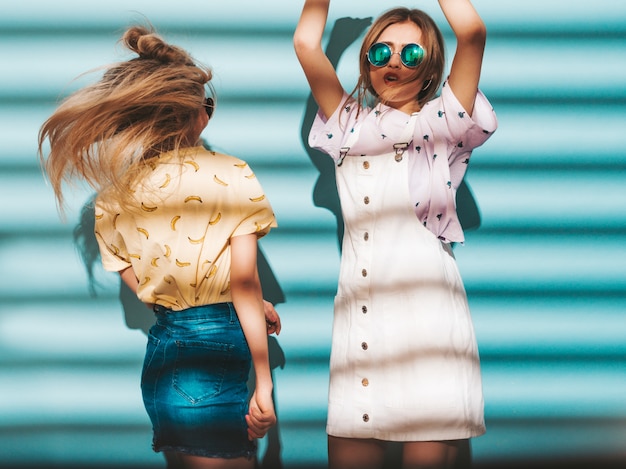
318, 69
471, 35
247, 298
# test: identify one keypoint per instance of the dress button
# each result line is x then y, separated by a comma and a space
364, 272
364, 345
364, 309
366, 164
366, 200
366, 236
365, 382
366, 418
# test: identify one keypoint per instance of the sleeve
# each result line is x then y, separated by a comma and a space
256, 213
327, 135
467, 132
464, 132
113, 252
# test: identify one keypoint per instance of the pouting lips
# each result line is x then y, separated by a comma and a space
390, 78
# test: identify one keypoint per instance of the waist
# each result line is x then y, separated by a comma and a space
205, 312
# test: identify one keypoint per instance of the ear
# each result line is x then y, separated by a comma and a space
197, 125
202, 120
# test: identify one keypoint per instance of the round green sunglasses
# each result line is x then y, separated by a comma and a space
411, 55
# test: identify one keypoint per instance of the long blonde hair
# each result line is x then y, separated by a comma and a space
107, 133
427, 76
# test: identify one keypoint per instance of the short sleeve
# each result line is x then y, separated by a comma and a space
256, 212
327, 135
468, 132
113, 251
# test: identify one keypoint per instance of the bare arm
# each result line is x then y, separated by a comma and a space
318, 69
129, 278
248, 301
471, 35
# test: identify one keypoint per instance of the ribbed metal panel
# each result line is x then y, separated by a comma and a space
545, 272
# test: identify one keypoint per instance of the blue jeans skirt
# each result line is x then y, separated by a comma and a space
194, 382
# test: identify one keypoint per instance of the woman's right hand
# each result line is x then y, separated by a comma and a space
261, 416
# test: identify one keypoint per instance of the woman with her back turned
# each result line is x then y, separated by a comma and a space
404, 363
180, 224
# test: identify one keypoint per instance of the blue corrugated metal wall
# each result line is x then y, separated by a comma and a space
545, 272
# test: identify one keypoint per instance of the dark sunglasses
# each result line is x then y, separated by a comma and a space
411, 55
209, 106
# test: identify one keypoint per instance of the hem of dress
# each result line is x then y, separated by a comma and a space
248, 454
407, 436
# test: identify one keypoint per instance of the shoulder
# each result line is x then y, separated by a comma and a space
446, 113
211, 157
329, 134
448, 102
204, 161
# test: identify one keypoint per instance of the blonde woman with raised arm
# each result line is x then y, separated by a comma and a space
404, 362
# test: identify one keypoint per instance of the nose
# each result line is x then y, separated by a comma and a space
394, 60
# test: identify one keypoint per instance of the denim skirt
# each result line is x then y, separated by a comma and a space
194, 382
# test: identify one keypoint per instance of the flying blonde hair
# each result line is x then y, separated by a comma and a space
108, 133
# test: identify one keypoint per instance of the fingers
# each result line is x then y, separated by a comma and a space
272, 318
259, 422
273, 327
256, 430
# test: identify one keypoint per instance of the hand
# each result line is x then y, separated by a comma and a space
271, 318
261, 416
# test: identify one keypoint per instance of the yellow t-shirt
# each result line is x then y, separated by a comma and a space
178, 238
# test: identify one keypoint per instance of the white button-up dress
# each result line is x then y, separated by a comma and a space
404, 362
